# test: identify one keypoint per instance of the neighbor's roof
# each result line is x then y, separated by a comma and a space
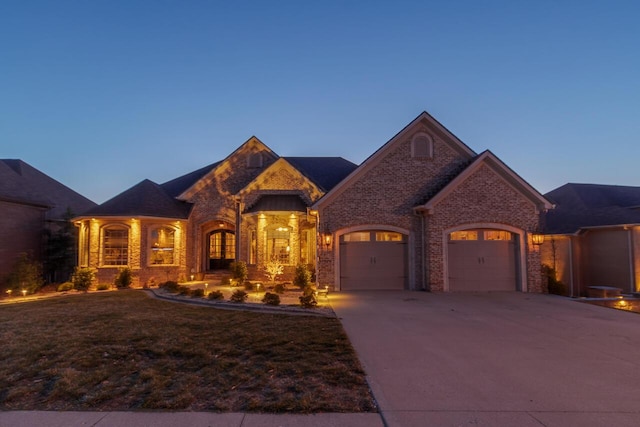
22, 183
143, 199
325, 172
591, 205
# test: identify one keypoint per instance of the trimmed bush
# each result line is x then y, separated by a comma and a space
66, 286
302, 277
82, 278
308, 298
248, 286
26, 274
170, 286
238, 296
102, 287
271, 299
215, 295
279, 288
197, 293
184, 290
239, 271
124, 278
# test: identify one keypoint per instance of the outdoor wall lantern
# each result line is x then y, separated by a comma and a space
326, 239
537, 238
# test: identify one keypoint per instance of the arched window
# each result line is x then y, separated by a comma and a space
422, 146
115, 245
162, 241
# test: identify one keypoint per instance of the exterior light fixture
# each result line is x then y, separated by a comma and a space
24, 292
537, 238
326, 240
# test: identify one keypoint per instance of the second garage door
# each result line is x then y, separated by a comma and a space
482, 260
373, 260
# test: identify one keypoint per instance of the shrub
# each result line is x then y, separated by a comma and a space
170, 286
197, 293
279, 288
308, 298
66, 286
184, 290
239, 271
102, 287
238, 296
271, 299
302, 277
82, 278
554, 285
225, 281
248, 286
124, 278
26, 274
215, 295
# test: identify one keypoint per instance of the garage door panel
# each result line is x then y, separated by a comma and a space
373, 265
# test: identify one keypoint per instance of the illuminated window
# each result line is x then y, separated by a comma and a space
253, 247
496, 235
388, 236
278, 245
115, 245
464, 235
162, 241
357, 236
306, 255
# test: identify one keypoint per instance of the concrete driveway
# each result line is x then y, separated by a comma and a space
495, 359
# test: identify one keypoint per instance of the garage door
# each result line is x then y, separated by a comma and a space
373, 260
482, 260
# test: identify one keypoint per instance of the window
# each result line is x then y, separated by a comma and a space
253, 247
497, 235
83, 260
162, 241
278, 245
388, 236
357, 236
465, 235
115, 246
422, 146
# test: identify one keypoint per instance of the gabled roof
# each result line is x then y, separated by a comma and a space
592, 205
209, 176
143, 199
325, 172
490, 159
424, 119
178, 185
22, 183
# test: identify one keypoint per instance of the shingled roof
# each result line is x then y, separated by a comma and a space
326, 172
143, 199
591, 205
177, 186
22, 183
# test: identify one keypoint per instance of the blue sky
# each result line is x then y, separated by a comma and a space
103, 94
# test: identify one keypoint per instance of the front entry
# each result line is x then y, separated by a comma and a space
222, 249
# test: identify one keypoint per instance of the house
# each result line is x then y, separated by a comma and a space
593, 237
424, 212
31, 204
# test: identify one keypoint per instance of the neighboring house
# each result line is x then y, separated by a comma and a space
423, 212
593, 237
31, 203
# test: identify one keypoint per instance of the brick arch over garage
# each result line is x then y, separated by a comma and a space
520, 256
378, 248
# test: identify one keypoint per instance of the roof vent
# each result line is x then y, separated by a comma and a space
254, 160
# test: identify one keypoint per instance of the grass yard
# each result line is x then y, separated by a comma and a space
125, 351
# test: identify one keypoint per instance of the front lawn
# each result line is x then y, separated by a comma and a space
125, 351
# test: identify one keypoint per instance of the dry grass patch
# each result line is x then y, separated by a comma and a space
123, 350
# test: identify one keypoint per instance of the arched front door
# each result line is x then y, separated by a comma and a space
222, 249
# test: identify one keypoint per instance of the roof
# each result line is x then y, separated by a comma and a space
22, 183
325, 172
512, 178
143, 199
591, 205
178, 185
278, 202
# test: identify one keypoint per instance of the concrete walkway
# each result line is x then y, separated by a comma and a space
495, 359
